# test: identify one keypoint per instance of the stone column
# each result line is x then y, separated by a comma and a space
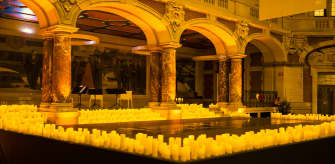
56, 85
168, 76
46, 69
155, 79
235, 84
61, 67
223, 83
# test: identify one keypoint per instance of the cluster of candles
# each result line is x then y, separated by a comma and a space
121, 115
18, 108
179, 100
213, 105
26, 120
312, 117
190, 111
176, 148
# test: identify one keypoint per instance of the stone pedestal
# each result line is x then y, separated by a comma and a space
60, 113
153, 104
235, 84
168, 112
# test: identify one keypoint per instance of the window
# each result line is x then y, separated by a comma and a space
210, 1
333, 8
223, 3
254, 12
321, 25
319, 13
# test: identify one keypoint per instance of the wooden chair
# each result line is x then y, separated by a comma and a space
127, 96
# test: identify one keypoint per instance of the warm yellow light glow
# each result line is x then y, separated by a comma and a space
28, 121
27, 30
83, 39
121, 115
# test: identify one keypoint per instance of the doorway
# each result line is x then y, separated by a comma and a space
326, 99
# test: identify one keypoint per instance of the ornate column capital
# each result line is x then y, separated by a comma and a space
63, 29
222, 58
237, 56
148, 49
170, 45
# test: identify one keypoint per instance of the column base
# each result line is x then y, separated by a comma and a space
153, 104
234, 107
169, 110
60, 113
222, 104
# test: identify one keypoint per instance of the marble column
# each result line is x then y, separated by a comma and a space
168, 76
235, 84
223, 83
56, 82
61, 67
47, 70
155, 78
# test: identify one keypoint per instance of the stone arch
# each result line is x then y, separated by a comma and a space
149, 20
45, 12
309, 49
221, 37
271, 48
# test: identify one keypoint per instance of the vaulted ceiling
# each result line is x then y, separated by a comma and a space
108, 23
101, 22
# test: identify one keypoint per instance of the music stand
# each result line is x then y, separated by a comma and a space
117, 93
80, 90
95, 92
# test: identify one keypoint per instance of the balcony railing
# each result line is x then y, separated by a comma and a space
252, 98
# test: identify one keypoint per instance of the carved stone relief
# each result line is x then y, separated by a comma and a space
325, 56
68, 4
242, 30
175, 15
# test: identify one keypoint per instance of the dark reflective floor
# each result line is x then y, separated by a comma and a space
183, 128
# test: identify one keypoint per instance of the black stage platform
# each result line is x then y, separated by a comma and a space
18, 148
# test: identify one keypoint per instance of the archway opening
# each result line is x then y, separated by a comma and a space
110, 64
21, 49
196, 68
258, 78
319, 83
